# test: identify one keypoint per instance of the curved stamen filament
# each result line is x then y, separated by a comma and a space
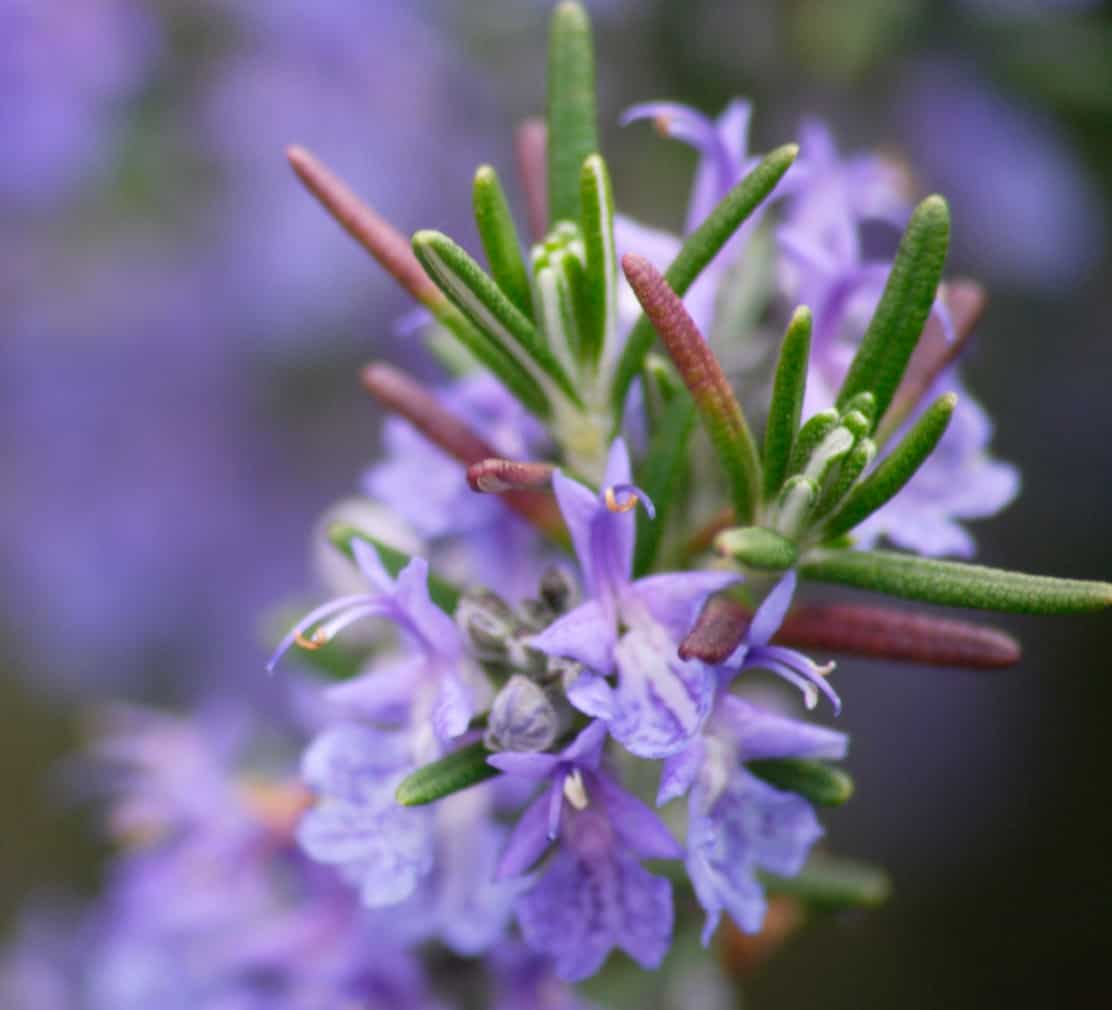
624, 498
317, 640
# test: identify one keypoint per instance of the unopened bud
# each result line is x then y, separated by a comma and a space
521, 718
486, 622
558, 589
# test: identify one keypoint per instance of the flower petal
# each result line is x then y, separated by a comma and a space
585, 634
762, 734
635, 824
528, 840
770, 614
675, 599
661, 701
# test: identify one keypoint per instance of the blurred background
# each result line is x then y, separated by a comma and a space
181, 328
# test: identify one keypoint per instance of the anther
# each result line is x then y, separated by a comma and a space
614, 505
317, 640
575, 791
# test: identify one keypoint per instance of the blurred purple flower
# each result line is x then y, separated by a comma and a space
66, 70
327, 77
1026, 211
629, 628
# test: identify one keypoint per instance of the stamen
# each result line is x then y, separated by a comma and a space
317, 640
575, 791
614, 505
624, 498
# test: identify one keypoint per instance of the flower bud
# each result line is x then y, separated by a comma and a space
521, 718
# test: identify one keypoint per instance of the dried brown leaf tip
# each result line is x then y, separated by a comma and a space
498, 476
372, 231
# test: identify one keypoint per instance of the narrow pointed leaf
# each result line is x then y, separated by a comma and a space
829, 884
902, 312
813, 780
699, 248
460, 770
795, 505
852, 467
896, 469
500, 239
473, 292
572, 116
662, 477
756, 547
810, 437
934, 354
850, 629
904, 635
380, 238
443, 593
787, 400
496, 359
601, 276
955, 584
559, 286
705, 380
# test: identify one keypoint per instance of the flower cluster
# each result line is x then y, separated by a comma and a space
548, 736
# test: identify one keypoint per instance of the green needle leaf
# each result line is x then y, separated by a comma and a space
500, 240
461, 769
494, 357
831, 885
787, 400
955, 584
572, 117
601, 287
902, 312
702, 374
810, 437
813, 780
896, 469
700, 247
481, 300
443, 593
662, 477
757, 547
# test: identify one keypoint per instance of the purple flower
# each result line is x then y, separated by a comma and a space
756, 653
66, 72
631, 629
1036, 225
823, 259
593, 895
959, 480
434, 681
723, 148
472, 534
737, 823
